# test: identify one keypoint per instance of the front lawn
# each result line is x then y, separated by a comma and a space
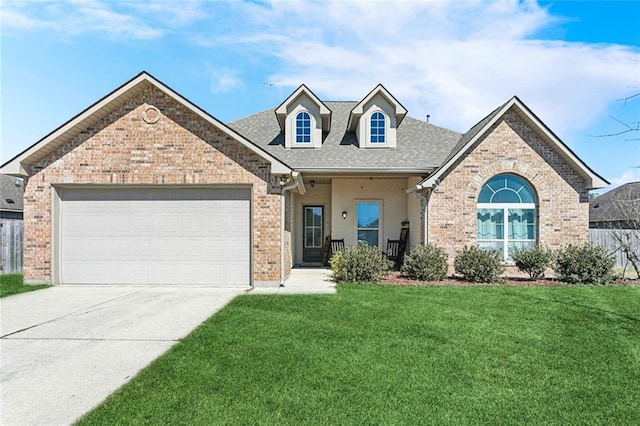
400, 355
14, 284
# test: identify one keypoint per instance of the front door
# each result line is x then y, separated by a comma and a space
313, 233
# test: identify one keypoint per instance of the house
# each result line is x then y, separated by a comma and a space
616, 209
145, 187
10, 198
10, 224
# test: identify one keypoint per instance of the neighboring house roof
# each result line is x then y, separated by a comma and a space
115, 99
421, 146
11, 193
465, 143
617, 205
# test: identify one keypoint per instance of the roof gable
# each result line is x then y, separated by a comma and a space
483, 126
64, 133
398, 110
283, 109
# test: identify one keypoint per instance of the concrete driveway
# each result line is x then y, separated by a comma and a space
63, 350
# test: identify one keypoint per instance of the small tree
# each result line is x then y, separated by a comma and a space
619, 212
626, 231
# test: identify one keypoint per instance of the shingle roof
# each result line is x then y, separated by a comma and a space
10, 190
420, 145
617, 204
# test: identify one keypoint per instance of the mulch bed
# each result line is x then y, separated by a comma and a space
396, 278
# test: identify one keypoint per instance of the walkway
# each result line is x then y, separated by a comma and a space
303, 281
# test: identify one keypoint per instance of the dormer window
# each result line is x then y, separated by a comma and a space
303, 118
375, 119
377, 128
303, 127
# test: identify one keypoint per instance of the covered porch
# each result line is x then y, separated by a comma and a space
370, 209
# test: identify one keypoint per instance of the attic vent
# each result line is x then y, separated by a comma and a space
596, 206
9, 200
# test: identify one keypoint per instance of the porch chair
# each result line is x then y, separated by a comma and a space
393, 252
337, 245
396, 248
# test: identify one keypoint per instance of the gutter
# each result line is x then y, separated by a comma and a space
297, 183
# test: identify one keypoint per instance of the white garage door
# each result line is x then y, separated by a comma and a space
155, 236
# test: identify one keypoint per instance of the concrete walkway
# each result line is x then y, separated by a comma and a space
303, 281
65, 349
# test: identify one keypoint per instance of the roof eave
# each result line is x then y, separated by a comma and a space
16, 166
593, 180
365, 170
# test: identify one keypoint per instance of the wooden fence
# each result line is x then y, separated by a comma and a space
11, 246
607, 238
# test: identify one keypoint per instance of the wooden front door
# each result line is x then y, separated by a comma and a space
313, 234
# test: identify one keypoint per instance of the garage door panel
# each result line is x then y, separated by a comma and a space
155, 236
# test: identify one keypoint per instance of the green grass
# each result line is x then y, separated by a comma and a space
14, 284
400, 355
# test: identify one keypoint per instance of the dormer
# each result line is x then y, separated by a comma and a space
375, 119
303, 118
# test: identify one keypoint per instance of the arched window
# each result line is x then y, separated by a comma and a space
377, 128
303, 127
506, 215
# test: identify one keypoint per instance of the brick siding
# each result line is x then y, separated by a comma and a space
128, 147
510, 146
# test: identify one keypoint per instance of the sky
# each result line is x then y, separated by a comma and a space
572, 62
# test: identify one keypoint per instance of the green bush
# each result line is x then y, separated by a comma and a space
533, 261
584, 265
425, 263
479, 266
360, 263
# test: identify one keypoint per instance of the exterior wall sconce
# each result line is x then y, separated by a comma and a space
312, 182
344, 214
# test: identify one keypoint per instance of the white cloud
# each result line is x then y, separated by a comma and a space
223, 79
630, 175
453, 60
72, 18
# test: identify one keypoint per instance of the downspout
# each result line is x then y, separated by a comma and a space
297, 181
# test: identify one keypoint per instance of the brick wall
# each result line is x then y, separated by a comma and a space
129, 146
511, 146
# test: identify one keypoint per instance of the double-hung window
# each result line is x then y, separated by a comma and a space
506, 215
368, 220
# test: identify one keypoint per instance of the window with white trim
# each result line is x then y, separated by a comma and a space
303, 127
506, 215
377, 128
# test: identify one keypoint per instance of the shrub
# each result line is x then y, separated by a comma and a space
360, 263
584, 265
533, 261
425, 263
479, 266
